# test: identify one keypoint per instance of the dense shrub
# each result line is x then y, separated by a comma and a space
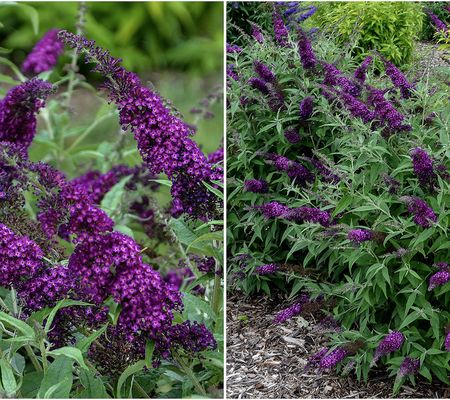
441, 10
110, 243
389, 27
338, 191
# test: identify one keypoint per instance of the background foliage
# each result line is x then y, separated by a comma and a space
146, 35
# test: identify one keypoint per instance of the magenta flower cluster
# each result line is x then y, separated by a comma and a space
293, 169
409, 366
267, 269
292, 311
360, 235
279, 29
163, 139
423, 214
423, 169
18, 111
45, 54
391, 342
256, 186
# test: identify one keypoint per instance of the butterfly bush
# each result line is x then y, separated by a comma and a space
356, 169
88, 253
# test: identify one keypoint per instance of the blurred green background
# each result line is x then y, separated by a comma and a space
182, 36
177, 46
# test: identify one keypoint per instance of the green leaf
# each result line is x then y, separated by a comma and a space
125, 230
70, 352
410, 318
207, 237
342, 204
113, 198
18, 324
131, 370
31, 383
83, 344
58, 379
8, 380
94, 387
62, 304
217, 192
149, 348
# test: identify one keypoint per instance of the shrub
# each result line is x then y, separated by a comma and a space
110, 243
389, 27
338, 192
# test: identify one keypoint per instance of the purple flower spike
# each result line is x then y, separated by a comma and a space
279, 29
257, 33
307, 56
308, 214
440, 26
442, 266
398, 79
45, 54
291, 311
360, 235
438, 279
391, 342
272, 209
163, 139
361, 71
315, 359
233, 48
409, 366
267, 269
422, 212
447, 342
258, 84
18, 111
292, 136
332, 359
256, 186
264, 72
423, 169
306, 108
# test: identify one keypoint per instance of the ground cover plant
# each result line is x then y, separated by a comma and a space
338, 192
110, 242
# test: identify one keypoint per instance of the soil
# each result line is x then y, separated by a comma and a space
265, 360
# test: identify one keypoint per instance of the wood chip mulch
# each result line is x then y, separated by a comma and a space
267, 361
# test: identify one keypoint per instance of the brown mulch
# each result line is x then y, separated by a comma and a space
267, 361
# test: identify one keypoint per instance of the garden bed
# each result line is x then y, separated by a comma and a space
267, 361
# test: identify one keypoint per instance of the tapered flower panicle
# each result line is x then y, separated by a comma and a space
335, 77
333, 358
423, 169
398, 79
409, 366
361, 72
447, 342
307, 56
441, 27
258, 84
392, 342
360, 235
306, 108
422, 212
267, 269
386, 113
292, 311
163, 139
264, 72
438, 279
45, 54
272, 209
20, 258
308, 214
279, 29
293, 169
292, 135
256, 186
18, 111
257, 33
